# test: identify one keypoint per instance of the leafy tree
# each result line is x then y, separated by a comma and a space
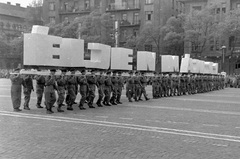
173, 35
95, 27
34, 12
200, 28
4, 48
230, 28
92, 28
152, 35
17, 46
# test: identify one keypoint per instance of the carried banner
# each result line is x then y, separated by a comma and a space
41, 49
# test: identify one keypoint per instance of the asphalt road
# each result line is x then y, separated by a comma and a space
202, 126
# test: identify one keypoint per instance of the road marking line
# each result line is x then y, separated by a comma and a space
210, 125
220, 145
101, 116
202, 100
141, 128
129, 126
187, 109
126, 118
237, 127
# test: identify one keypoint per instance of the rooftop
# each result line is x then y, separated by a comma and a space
12, 10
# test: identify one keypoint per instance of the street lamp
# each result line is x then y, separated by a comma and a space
223, 48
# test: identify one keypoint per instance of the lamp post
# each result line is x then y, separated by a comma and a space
223, 48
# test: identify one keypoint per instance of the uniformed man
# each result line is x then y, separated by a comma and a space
114, 80
107, 89
144, 81
62, 86
120, 87
138, 86
84, 88
100, 85
130, 87
40, 84
71, 92
49, 92
155, 90
91, 79
27, 90
16, 89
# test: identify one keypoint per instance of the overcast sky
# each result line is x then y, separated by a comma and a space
24, 3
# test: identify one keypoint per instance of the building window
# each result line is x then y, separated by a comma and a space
197, 8
113, 17
224, 7
52, 20
148, 1
124, 16
148, 47
136, 4
87, 4
135, 32
97, 3
65, 6
148, 15
124, 33
218, 11
124, 4
136, 18
75, 6
238, 5
51, 6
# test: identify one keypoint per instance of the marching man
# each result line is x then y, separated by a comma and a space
27, 90
16, 89
49, 92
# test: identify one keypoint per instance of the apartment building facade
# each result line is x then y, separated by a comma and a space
214, 51
131, 14
13, 23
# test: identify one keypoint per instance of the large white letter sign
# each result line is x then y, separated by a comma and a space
42, 50
120, 59
207, 69
100, 56
170, 63
195, 66
175, 63
201, 63
167, 65
40, 29
72, 53
146, 61
215, 68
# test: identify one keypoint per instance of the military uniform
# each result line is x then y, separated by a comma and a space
91, 79
120, 86
130, 88
137, 86
71, 91
40, 83
100, 85
155, 88
16, 91
143, 81
27, 90
114, 80
49, 93
107, 90
84, 88
62, 86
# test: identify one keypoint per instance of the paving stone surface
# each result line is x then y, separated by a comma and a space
202, 126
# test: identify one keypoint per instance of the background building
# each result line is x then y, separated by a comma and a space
214, 51
13, 23
131, 14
